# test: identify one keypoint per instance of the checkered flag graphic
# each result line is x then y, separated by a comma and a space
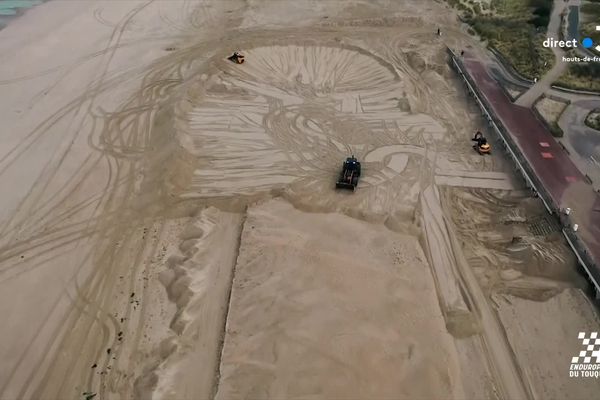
591, 354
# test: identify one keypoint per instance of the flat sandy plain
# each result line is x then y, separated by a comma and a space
169, 226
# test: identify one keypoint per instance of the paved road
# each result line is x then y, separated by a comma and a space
573, 27
503, 74
543, 85
581, 141
558, 174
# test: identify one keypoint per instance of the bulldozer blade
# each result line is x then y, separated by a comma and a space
344, 185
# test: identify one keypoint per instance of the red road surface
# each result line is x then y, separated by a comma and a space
560, 177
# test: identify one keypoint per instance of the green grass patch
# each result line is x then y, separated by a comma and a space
556, 130
541, 12
510, 7
470, 8
590, 18
549, 111
535, 12
518, 42
589, 30
516, 28
591, 9
593, 119
581, 76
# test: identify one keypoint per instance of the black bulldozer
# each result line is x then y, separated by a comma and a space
349, 175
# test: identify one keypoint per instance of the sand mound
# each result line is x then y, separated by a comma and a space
197, 281
324, 305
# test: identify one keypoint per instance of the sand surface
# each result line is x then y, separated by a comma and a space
169, 226
330, 307
540, 345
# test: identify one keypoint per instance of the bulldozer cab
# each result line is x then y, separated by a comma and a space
351, 164
350, 174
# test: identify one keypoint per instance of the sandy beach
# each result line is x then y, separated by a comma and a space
170, 228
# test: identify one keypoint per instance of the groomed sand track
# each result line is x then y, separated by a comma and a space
288, 113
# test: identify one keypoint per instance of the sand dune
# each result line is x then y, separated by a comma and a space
326, 306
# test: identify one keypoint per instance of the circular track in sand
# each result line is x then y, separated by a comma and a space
292, 112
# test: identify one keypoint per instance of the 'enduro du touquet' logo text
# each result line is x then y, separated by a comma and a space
587, 363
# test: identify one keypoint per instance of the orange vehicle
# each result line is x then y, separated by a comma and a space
481, 146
